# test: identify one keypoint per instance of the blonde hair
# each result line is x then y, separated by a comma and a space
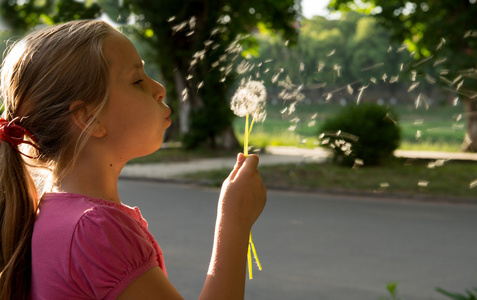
43, 74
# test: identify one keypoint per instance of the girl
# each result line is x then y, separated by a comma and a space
78, 103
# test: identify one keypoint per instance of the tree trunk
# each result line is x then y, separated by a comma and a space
470, 140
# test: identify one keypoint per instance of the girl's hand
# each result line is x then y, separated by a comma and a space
243, 195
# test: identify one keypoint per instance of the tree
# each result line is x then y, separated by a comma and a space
442, 36
194, 42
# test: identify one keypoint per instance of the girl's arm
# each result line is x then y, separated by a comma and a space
241, 201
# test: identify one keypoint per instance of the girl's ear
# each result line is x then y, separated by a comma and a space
82, 117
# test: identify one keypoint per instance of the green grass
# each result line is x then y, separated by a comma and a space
406, 178
438, 128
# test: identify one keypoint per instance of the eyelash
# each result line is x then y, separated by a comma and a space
139, 81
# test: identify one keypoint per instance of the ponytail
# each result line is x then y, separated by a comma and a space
18, 207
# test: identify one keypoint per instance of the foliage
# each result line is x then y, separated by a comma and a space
469, 295
363, 134
392, 290
192, 42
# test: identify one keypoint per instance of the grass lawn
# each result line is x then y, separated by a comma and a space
438, 128
406, 178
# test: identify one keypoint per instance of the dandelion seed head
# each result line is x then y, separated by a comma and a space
250, 98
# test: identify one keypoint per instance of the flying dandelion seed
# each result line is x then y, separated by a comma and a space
199, 55
418, 134
443, 41
390, 48
185, 95
189, 77
302, 67
459, 85
286, 43
328, 97
423, 183
430, 79
413, 75
413, 87
320, 67
361, 89
394, 79
207, 43
199, 86
284, 110
402, 48
444, 72
311, 123
275, 77
190, 33
243, 67
214, 31
439, 61
384, 185
171, 19
337, 69
350, 89
384, 77
266, 70
192, 22
421, 98
179, 27
373, 80
473, 184
456, 79
458, 118
401, 67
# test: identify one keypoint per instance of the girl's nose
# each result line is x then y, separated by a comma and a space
159, 91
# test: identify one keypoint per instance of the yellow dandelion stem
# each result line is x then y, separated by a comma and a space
254, 252
251, 125
249, 260
247, 133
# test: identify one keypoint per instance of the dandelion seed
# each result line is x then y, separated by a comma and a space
222, 79
430, 79
292, 128
311, 123
243, 67
215, 46
200, 85
443, 41
171, 19
207, 43
446, 81
444, 72
337, 68
266, 70
418, 134
413, 75
401, 67
190, 33
199, 55
384, 77
418, 122
314, 116
439, 61
332, 52
214, 31
350, 89
286, 43
185, 95
384, 185
284, 110
402, 48
358, 162
394, 79
302, 67
361, 89
459, 85
470, 33
456, 79
423, 183
373, 80
421, 98
223, 19
215, 64
179, 27
192, 22
320, 67
473, 184
328, 97
189, 77
292, 108
455, 101
275, 77
390, 48
413, 86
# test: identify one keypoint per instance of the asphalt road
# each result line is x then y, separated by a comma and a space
319, 246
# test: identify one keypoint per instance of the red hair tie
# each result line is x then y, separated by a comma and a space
15, 135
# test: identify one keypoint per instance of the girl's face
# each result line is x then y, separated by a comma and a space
136, 117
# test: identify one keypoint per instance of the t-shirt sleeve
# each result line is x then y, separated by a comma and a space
109, 250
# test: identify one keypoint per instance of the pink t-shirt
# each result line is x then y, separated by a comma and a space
87, 248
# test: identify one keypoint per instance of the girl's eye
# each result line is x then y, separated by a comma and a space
138, 82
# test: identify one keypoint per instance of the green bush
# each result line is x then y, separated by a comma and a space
362, 134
